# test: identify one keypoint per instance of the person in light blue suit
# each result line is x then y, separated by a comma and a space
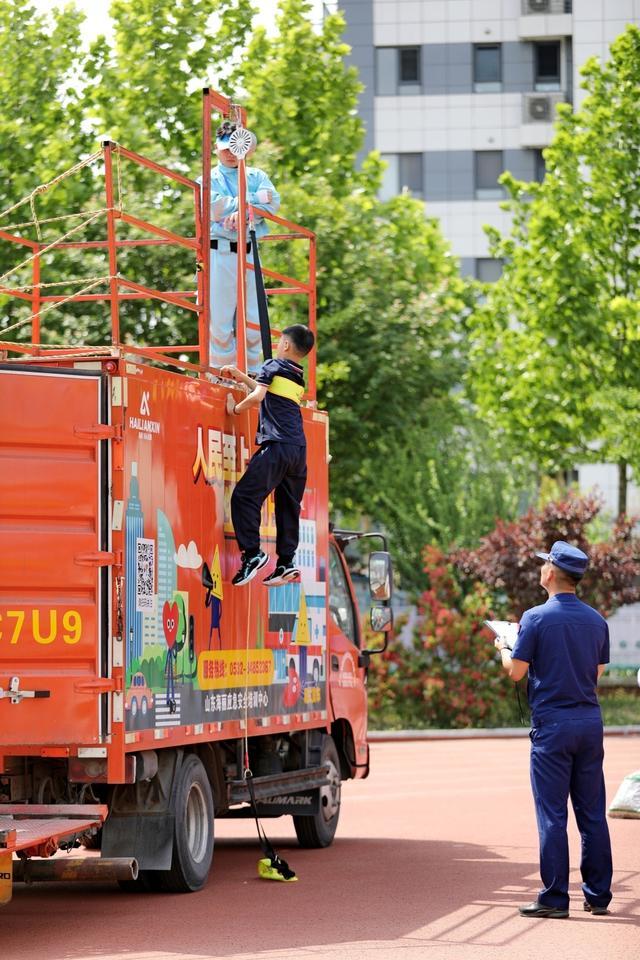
262, 194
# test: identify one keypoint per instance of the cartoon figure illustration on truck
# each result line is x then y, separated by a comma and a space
212, 580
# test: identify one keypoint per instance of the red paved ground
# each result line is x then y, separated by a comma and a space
434, 853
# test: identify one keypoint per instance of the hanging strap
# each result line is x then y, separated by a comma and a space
261, 297
281, 866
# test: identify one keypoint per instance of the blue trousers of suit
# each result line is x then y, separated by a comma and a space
224, 298
566, 761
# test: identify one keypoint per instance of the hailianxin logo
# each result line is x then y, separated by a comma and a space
144, 404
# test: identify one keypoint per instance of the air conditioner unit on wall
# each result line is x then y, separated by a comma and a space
538, 6
539, 109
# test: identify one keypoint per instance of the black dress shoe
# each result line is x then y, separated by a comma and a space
536, 909
596, 911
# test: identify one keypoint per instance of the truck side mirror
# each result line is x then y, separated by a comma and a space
380, 577
381, 622
381, 618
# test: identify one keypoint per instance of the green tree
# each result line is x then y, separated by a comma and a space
556, 365
448, 676
304, 98
407, 451
134, 92
144, 93
41, 133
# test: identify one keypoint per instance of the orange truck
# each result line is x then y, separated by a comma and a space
137, 685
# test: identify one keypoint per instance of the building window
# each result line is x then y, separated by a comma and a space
488, 167
411, 176
547, 65
409, 64
398, 71
487, 68
488, 269
540, 168
404, 171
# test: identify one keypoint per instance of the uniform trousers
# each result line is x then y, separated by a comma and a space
224, 298
566, 761
279, 467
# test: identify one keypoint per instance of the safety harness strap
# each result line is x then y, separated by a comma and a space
261, 297
277, 868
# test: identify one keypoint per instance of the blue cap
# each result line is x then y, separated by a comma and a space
568, 558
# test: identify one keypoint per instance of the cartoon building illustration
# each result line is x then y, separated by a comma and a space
167, 573
134, 526
305, 558
296, 632
150, 629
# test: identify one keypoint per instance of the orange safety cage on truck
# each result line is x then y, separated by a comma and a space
136, 683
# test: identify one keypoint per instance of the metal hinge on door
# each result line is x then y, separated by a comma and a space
99, 685
99, 558
99, 431
15, 694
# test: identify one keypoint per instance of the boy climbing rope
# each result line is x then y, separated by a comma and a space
279, 464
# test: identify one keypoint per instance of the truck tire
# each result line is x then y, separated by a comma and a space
193, 831
319, 830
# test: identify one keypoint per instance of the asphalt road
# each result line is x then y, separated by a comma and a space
434, 853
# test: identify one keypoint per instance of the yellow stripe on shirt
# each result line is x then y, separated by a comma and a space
283, 387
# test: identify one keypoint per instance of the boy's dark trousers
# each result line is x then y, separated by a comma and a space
281, 467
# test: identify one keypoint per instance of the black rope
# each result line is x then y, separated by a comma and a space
261, 296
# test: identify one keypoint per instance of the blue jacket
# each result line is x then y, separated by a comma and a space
224, 198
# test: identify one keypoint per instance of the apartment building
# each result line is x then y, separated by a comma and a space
457, 91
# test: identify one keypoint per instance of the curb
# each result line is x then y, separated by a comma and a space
473, 733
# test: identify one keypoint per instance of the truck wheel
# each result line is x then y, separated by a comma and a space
193, 831
319, 830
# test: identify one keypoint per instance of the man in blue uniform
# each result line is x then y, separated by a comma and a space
261, 193
563, 644
279, 464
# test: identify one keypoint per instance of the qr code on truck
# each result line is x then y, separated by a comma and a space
145, 574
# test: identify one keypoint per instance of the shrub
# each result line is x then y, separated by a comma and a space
449, 676
505, 560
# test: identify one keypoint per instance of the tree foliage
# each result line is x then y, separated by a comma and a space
555, 347
41, 132
304, 98
505, 560
449, 676
408, 452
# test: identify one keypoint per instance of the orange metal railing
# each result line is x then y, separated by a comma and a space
122, 289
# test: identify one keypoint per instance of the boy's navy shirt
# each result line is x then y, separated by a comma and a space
563, 641
280, 418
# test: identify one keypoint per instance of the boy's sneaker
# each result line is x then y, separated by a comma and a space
283, 573
249, 567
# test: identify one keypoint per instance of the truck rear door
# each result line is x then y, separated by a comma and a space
53, 591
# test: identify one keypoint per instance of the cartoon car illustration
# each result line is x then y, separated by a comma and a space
138, 697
